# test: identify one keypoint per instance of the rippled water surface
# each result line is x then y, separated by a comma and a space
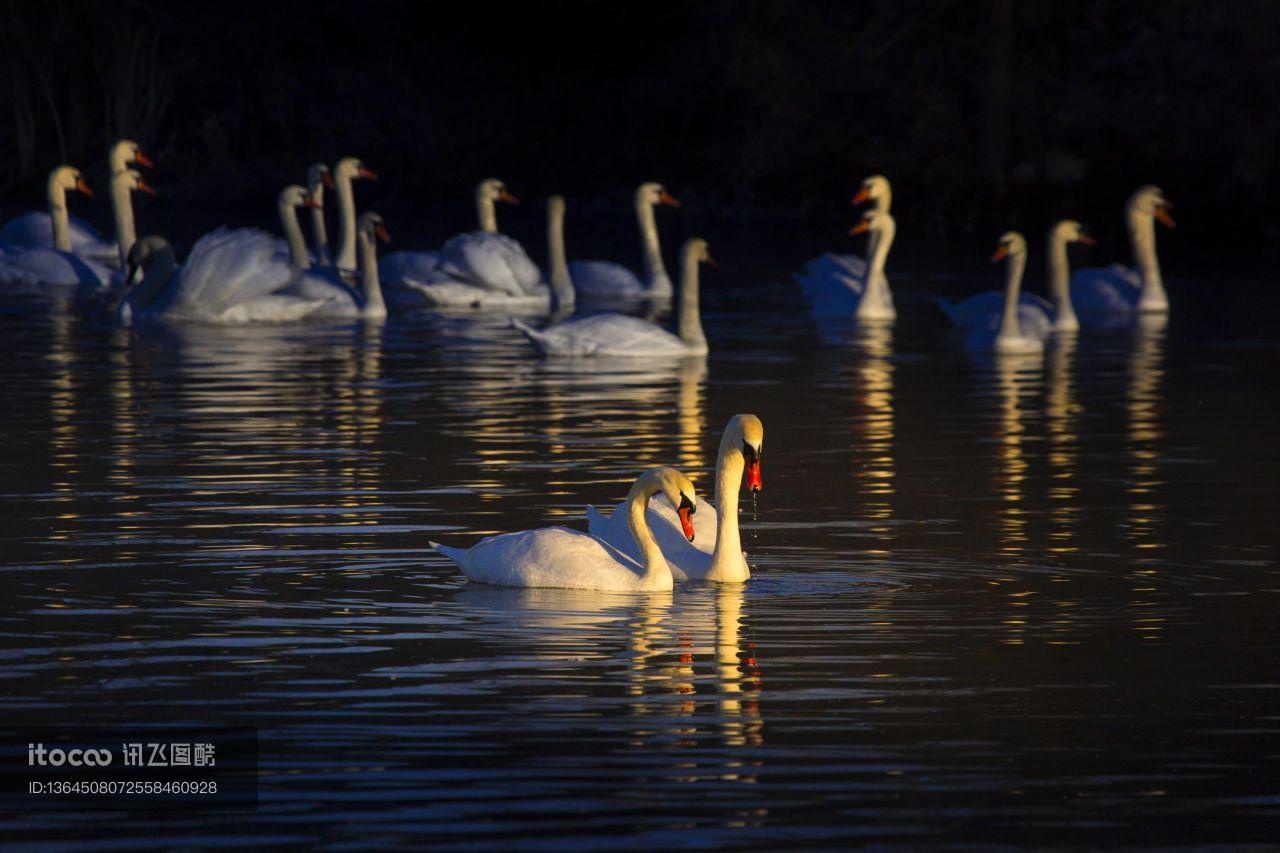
1018, 602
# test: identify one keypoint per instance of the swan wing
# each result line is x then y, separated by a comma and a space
35, 230
25, 266
1113, 289
611, 335
225, 268
828, 267
399, 267
549, 557
493, 261
604, 279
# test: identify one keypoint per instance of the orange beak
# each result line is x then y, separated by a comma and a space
83, 187
863, 194
507, 198
310, 201
862, 227
686, 521
754, 482
143, 160
367, 173
668, 199
145, 187
382, 233
1087, 240
1000, 254
1163, 217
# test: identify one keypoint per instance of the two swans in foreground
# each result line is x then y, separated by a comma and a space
623, 336
480, 269
234, 277
717, 557
1119, 289
570, 559
28, 267
1035, 315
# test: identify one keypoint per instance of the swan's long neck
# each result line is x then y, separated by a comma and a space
346, 222
154, 280
878, 253
319, 233
122, 211
655, 272
486, 212
655, 565
561, 285
883, 201
58, 215
293, 234
373, 306
1064, 314
690, 313
1009, 326
727, 562
1142, 237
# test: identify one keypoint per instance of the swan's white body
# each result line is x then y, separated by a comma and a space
836, 291
623, 336
608, 281
1036, 315
717, 557
230, 277
1123, 290
55, 229
480, 269
1018, 329
569, 559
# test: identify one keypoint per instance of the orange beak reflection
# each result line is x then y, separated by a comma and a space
686, 521
83, 187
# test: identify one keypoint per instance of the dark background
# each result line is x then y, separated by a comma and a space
985, 115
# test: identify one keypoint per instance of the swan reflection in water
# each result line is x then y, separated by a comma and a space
1062, 413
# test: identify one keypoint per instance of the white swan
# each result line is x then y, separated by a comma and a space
715, 558
28, 268
318, 179
606, 280
479, 269
1119, 289
837, 293
1015, 332
570, 559
230, 277
345, 171
622, 336
830, 265
984, 310
40, 229
340, 301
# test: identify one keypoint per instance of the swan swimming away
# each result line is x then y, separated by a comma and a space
39, 229
1119, 289
230, 277
837, 291
570, 559
606, 280
1019, 329
479, 269
623, 336
715, 558
984, 310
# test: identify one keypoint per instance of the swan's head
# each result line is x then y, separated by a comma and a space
493, 190
350, 168
1070, 231
143, 253
318, 175
1010, 244
69, 179
872, 220
370, 226
131, 180
696, 250
652, 193
873, 188
677, 489
747, 432
296, 196
1150, 201
125, 153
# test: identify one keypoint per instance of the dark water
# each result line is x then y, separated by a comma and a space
1028, 602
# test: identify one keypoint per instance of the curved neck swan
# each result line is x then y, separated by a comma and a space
694, 252
371, 230
154, 256
562, 294
744, 435
656, 570
62, 180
